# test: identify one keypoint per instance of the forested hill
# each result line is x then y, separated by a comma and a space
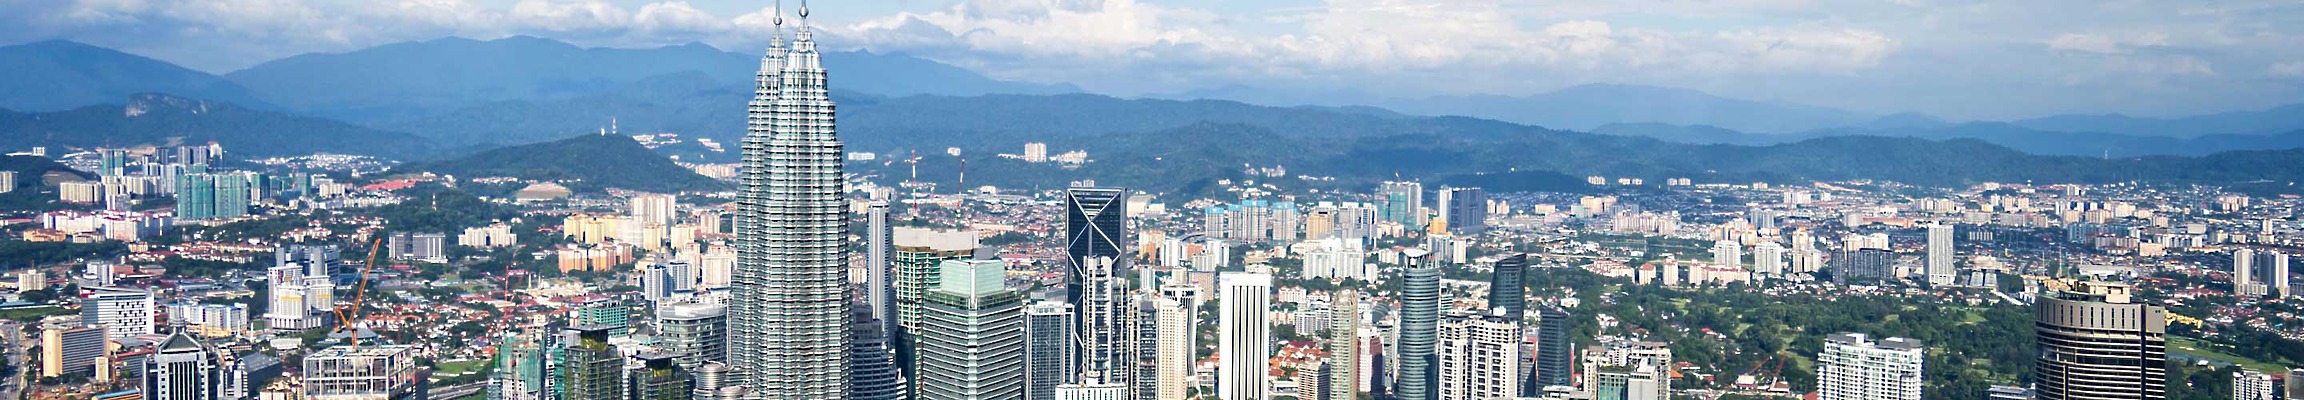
586, 162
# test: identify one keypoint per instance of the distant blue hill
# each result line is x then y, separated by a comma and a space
415, 79
2270, 121
1582, 107
2029, 140
60, 75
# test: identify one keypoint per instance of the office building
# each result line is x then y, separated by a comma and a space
1096, 265
1940, 255
246, 374
182, 368
589, 368
919, 255
1403, 203
2097, 342
1344, 345
1048, 348
1312, 381
694, 334
871, 362
1508, 286
788, 328
361, 373
972, 336
1420, 305
1553, 347
879, 253
123, 312
1629, 371
1243, 335
1479, 357
1854, 367
657, 378
605, 311
71, 349
1465, 210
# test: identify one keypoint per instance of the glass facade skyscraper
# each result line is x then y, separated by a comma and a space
788, 322
1096, 259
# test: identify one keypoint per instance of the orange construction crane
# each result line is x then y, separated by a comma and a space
343, 320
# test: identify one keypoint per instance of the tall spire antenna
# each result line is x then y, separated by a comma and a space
780, 16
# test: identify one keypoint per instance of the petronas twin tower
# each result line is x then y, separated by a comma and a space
789, 319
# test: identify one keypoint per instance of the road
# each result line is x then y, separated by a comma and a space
458, 391
14, 341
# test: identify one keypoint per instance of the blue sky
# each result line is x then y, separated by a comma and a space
1960, 59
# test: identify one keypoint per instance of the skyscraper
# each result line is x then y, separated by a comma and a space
182, 368
1243, 335
1854, 367
657, 378
1768, 259
1728, 252
1553, 367
1174, 348
870, 361
1465, 209
1419, 327
1403, 203
694, 334
590, 368
918, 258
1940, 272
1479, 357
1344, 345
1048, 348
1096, 260
972, 336
1508, 286
789, 327
2096, 342
879, 247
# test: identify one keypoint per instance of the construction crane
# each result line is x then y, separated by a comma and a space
344, 320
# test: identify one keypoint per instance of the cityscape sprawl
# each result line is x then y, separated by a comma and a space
814, 270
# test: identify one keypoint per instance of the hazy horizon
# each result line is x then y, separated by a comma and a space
1955, 60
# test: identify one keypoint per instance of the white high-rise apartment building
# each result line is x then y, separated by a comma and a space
1727, 252
1479, 357
1854, 367
1174, 350
788, 322
2252, 385
1035, 152
653, 209
1940, 255
1243, 336
1768, 258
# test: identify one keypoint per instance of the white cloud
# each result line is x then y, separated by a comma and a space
2291, 69
1956, 57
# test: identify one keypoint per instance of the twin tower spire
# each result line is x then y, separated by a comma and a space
788, 321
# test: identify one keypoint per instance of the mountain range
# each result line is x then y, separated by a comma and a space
2023, 138
410, 101
161, 119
